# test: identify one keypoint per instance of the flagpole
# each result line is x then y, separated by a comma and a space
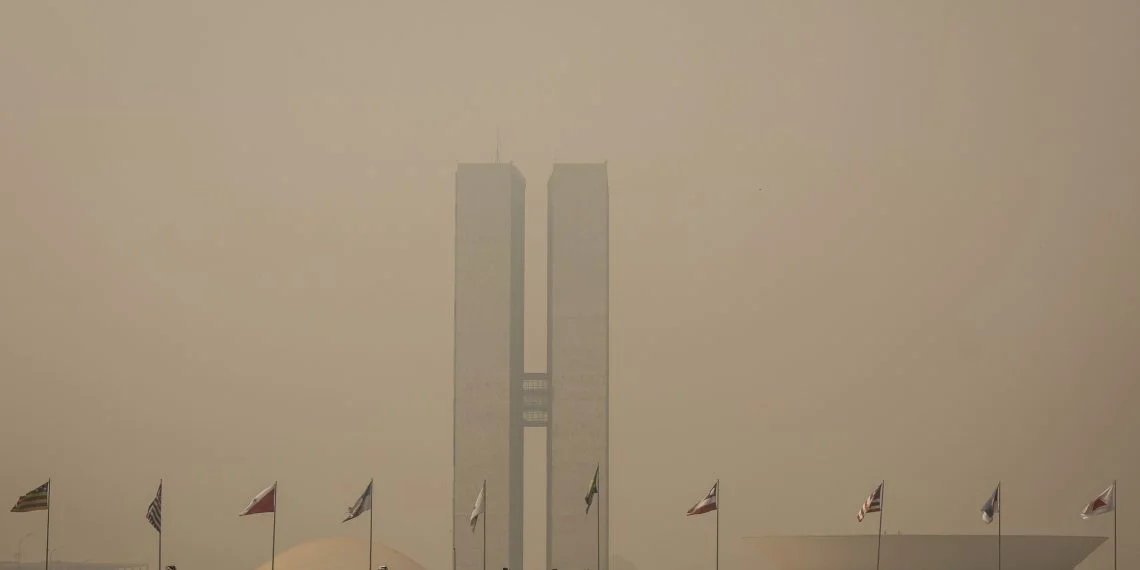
1115, 542
160, 509
371, 522
273, 541
47, 531
882, 510
484, 513
998, 508
717, 566
599, 513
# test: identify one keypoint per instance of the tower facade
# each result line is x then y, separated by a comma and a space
578, 360
495, 400
488, 358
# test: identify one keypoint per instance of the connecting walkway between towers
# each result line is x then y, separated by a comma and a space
536, 399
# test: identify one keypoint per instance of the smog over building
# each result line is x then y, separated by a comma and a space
495, 399
797, 247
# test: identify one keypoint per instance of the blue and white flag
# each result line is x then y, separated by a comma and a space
992, 507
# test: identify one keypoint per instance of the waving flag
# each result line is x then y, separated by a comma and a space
1103, 503
480, 507
992, 507
35, 500
707, 504
364, 503
263, 502
593, 490
154, 511
873, 504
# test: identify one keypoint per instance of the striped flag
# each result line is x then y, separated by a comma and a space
593, 490
364, 503
707, 504
873, 504
154, 511
35, 500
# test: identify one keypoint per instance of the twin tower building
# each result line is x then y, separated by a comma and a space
496, 400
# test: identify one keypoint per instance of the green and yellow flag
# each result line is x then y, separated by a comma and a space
593, 491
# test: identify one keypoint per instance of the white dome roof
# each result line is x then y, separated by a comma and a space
341, 554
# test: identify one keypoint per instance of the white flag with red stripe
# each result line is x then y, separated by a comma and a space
1103, 503
706, 504
263, 502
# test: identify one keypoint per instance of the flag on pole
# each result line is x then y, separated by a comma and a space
1103, 503
593, 490
362, 505
707, 504
263, 502
154, 511
873, 504
992, 507
34, 500
480, 507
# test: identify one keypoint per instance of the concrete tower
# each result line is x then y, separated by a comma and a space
578, 361
488, 426
495, 400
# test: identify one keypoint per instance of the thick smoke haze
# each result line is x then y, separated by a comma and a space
226, 254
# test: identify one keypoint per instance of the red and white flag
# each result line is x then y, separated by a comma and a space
873, 504
1103, 503
706, 504
263, 502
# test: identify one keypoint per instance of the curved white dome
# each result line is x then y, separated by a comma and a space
341, 554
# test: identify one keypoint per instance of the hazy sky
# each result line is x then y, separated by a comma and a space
226, 258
